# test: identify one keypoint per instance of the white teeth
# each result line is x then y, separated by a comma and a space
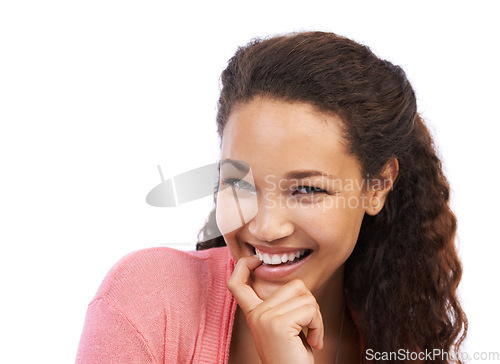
275, 259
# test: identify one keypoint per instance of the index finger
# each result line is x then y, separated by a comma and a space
238, 284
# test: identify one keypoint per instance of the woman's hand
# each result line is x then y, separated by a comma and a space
277, 322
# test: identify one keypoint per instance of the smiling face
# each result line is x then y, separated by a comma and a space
303, 194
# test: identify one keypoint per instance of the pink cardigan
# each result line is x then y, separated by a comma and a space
162, 305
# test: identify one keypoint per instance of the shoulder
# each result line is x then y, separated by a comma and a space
153, 297
163, 272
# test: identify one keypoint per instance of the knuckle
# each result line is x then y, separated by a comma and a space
310, 300
298, 285
312, 308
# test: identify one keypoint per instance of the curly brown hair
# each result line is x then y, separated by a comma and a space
402, 276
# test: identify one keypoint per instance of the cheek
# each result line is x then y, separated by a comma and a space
230, 218
233, 212
332, 226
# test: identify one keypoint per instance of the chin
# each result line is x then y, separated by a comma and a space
265, 289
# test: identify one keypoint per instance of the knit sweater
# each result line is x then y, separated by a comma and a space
162, 305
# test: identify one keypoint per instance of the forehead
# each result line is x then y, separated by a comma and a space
279, 136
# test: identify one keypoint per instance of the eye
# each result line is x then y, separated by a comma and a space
239, 184
309, 190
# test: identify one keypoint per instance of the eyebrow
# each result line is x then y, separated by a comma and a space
307, 173
299, 174
241, 166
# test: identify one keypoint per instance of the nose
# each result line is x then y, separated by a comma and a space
271, 222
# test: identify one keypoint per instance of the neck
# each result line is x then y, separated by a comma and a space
339, 343
330, 298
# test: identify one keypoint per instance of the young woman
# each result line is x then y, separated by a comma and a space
336, 240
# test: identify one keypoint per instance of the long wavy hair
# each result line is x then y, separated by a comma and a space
401, 279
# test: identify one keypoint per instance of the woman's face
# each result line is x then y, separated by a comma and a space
303, 194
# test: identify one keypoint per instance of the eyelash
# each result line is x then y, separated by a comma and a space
234, 181
316, 189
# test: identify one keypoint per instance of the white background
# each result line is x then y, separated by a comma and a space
95, 94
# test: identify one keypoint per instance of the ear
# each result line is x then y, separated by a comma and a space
379, 187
